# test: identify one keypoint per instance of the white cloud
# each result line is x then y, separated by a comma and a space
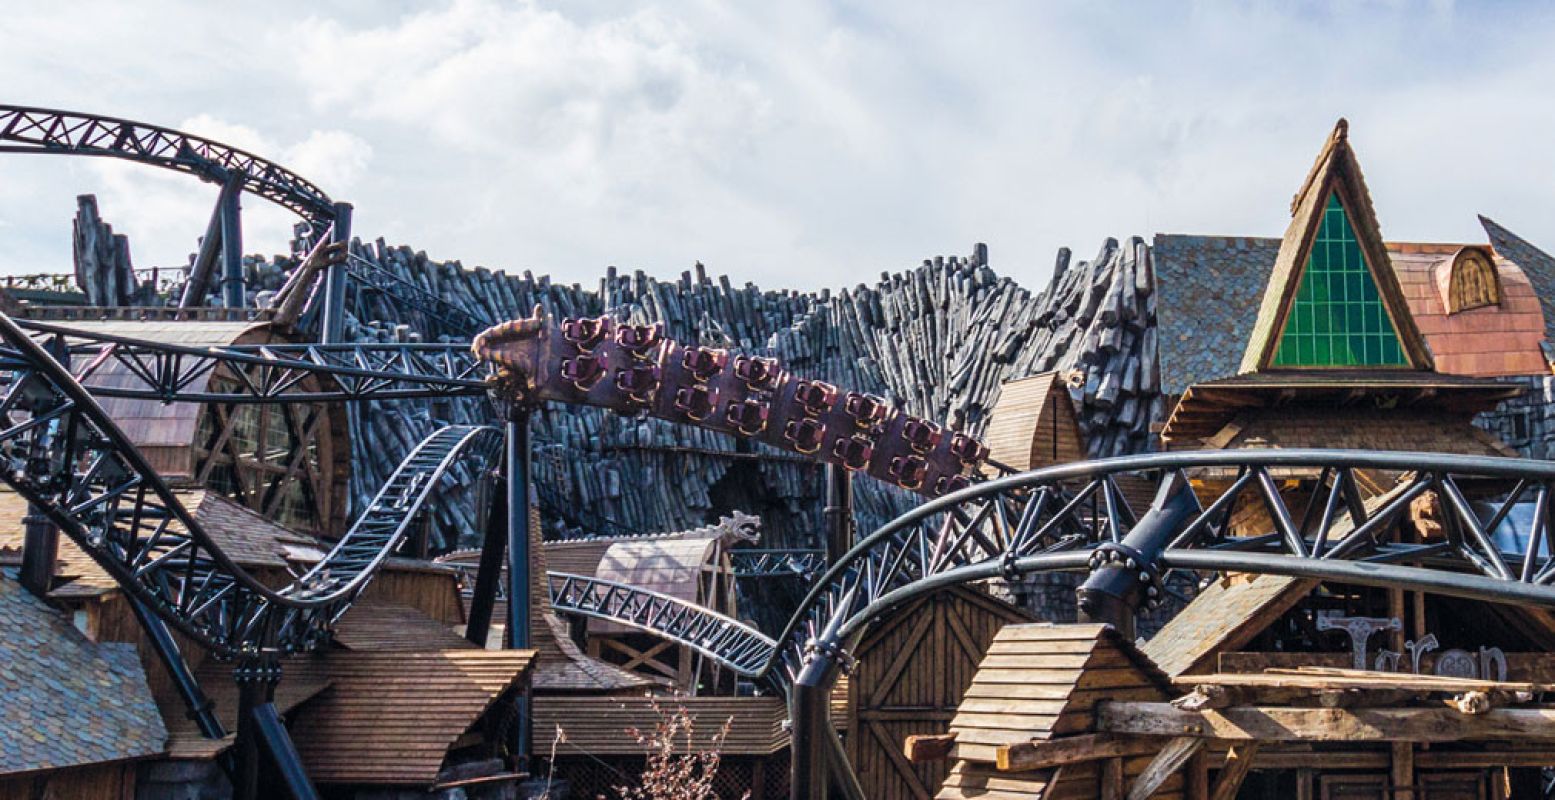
803, 144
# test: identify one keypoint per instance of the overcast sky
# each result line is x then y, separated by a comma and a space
796, 144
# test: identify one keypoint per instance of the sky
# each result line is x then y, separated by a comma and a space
799, 144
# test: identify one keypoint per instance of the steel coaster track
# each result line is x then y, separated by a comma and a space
268, 373
42, 130
1074, 518
371, 277
60, 451
726, 640
776, 563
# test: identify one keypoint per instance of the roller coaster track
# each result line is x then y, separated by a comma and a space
44, 130
1074, 518
728, 641
266, 373
60, 451
772, 563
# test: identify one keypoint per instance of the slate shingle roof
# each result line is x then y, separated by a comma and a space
1209, 290
1538, 265
67, 700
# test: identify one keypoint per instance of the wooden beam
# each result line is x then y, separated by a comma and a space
1239, 760
1042, 754
1286, 724
1172, 756
1402, 768
921, 748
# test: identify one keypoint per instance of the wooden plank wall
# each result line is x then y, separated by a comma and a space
913, 670
92, 782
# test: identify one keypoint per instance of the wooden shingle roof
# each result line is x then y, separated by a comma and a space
1041, 680
381, 625
389, 718
600, 725
164, 432
251, 540
1225, 616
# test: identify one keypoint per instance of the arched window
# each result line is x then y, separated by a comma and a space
1472, 282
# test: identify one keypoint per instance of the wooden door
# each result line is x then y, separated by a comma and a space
913, 669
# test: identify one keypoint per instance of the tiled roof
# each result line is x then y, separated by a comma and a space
1489, 341
1209, 288
1538, 265
67, 701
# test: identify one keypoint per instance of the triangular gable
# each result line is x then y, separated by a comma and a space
1321, 308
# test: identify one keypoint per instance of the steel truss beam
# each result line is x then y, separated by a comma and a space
1075, 518
769, 563
269, 373
61, 452
371, 277
727, 641
42, 130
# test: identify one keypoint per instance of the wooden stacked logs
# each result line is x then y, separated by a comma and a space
102, 257
938, 340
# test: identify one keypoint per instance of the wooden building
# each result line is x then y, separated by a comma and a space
1266, 687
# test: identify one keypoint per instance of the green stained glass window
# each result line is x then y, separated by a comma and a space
1337, 319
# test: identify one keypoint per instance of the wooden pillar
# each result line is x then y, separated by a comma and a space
1396, 611
1402, 773
1111, 779
1196, 777
1304, 788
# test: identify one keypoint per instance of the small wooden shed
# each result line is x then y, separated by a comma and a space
696, 570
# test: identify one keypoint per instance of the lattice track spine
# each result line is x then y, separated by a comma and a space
43, 130
266, 373
728, 641
60, 451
